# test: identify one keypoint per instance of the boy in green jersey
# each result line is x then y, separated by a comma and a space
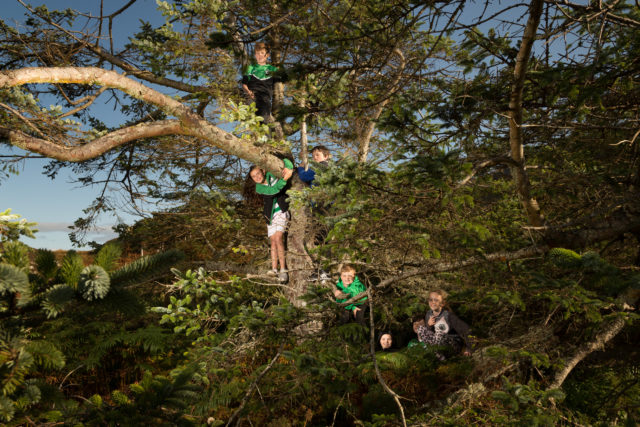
348, 287
258, 80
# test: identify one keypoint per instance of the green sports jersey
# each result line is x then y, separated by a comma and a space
260, 78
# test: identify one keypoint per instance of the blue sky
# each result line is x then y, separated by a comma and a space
56, 204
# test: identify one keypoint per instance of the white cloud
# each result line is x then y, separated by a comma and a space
45, 227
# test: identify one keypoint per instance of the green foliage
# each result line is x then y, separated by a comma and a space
11, 226
56, 300
607, 391
94, 283
14, 281
46, 263
17, 254
71, 268
108, 255
145, 268
529, 405
20, 358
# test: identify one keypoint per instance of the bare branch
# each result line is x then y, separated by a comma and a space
372, 352
609, 331
486, 164
190, 123
253, 385
93, 148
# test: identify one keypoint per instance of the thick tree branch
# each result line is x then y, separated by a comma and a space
485, 164
366, 131
131, 69
93, 148
191, 123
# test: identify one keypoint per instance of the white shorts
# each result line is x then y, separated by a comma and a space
279, 222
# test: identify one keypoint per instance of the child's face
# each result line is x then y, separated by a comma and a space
257, 175
318, 156
386, 341
261, 56
435, 301
347, 277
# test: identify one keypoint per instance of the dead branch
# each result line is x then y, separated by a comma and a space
253, 385
609, 331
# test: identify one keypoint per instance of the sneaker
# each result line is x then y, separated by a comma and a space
324, 277
272, 273
283, 276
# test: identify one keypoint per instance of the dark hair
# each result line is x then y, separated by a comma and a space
249, 194
380, 335
321, 148
260, 45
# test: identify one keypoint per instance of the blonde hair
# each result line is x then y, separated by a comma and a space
348, 269
444, 294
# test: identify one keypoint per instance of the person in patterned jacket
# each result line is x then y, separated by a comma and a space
441, 327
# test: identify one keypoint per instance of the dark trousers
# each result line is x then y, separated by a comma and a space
347, 315
263, 105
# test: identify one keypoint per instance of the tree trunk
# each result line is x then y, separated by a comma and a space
519, 172
299, 262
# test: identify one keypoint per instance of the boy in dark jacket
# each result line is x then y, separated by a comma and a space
258, 80
321, 156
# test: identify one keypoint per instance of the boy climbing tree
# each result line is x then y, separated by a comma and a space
258, 80
321, 156
348, 287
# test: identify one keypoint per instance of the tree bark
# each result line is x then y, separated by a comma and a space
188, 122
299, 262
529, 204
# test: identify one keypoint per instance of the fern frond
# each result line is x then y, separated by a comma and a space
70, 269
108, 255
15, 281
94, 283
56, 300
45, 354
145, 268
